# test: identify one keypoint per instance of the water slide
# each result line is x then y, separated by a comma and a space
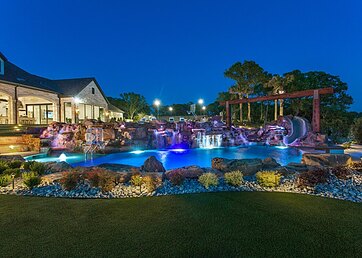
299, 129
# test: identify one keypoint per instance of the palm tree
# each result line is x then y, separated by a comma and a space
277, 84
247, 76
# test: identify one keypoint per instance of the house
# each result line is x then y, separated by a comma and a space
30, 99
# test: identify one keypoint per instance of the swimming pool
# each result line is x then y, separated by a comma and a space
179, 157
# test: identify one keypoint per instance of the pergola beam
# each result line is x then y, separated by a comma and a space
292, 95
315, 93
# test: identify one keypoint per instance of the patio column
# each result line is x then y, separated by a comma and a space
15, 106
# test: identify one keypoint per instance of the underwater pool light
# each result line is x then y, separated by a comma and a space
137, 152
62, 157
178, 150
281, 147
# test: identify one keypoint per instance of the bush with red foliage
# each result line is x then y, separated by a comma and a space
312, 177
342, 172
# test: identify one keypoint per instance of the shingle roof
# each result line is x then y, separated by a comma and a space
66, 87
114, 108
72, 87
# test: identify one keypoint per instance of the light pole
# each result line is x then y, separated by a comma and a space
204, 109
157, 103
170, 109
201, 103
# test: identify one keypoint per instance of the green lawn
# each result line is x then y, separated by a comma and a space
202, 225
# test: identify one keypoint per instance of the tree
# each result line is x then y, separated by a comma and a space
131, 103
278, 85
247, 76
356, 130
335, 119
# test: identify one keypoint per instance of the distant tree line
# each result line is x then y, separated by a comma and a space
251, 80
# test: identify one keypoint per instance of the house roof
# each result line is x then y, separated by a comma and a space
114, 108
72, 87
64, 87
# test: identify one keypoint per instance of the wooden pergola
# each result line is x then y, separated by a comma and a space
298, 94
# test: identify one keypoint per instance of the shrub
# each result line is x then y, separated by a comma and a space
5, 180
234, 178
357, 165
3, 166
102, 179
208, 179
31, 179
312, 177
37, 167
342, 172
27, 164
176, 178
136, 180
70, 180
268, 178
134, 171
15, 164
356, 130
151, 182
12, 171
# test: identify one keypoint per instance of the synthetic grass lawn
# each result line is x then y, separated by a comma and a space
199, 225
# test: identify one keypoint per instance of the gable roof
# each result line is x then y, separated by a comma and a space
114, 108
64, 87
3, 57
71, 87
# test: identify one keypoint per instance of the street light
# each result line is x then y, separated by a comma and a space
157, 103
170, 109
200, 101
204, 109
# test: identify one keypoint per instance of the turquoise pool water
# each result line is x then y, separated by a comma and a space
180, 158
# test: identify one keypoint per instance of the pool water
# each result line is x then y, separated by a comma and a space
180, 157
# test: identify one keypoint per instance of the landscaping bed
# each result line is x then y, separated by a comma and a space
58, 179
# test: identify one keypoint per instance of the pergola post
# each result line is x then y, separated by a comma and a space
316, 112
228, 114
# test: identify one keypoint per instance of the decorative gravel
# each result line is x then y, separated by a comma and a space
350, 190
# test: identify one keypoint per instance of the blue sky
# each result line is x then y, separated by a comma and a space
178, 50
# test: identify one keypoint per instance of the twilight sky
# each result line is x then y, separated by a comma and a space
178, 50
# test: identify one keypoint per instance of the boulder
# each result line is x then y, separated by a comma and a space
298, 167
329, 160
270, 164
246, 166
187, 172
11, 158
152, 165
55, 167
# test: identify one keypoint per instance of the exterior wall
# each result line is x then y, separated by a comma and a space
9, 89
96, 99
85, 97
